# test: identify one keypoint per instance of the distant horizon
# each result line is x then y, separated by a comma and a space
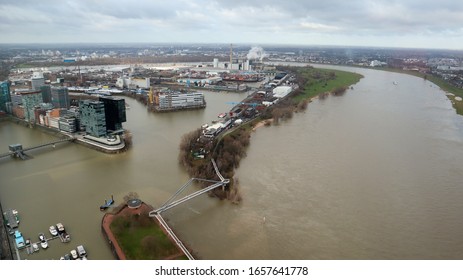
227, 44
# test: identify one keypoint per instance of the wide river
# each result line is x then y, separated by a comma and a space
373, 174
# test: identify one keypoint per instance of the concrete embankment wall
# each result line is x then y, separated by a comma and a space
5, 247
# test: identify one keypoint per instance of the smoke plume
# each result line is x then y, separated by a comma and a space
256, 53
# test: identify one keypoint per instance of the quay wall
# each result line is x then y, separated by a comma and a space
6, 252
59, 134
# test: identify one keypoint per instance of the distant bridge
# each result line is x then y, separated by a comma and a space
16, 150
171, 202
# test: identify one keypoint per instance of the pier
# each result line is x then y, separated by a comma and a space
16, 150
29, 248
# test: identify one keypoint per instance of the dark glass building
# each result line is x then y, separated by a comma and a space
46, 93
60, 97
114, 108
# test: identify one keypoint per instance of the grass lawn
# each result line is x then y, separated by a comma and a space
324, 80
141, 238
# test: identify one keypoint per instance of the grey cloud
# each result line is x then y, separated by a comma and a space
232, 19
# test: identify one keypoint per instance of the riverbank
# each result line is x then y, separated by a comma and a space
452, 92
230, 147
317, 83
5, 246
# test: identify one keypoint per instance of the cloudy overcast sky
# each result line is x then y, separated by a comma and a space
391, 23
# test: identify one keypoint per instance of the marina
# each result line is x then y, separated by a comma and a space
57, 232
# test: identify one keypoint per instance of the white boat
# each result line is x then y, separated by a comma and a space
60, 227
43, 241
81, 252
74, 255
35, 247
53, 231
64, 236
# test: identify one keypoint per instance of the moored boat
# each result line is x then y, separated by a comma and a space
107, 204
43, 241
74, 255
11, 217
35, 247
81, 252
53, 230
19, 239
63, 235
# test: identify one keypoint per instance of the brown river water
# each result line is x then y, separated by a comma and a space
373, 174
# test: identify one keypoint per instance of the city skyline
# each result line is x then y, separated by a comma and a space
401, 24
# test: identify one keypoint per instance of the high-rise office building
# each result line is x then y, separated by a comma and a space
92, 117
60, 97
30, 100
114, 112
46, 93
5, 96
37, 80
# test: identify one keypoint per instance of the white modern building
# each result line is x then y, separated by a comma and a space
37, 80
178, 100
282, 91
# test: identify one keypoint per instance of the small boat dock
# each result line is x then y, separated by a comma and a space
33, 247
11, 218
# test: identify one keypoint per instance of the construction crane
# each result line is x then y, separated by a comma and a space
151, 95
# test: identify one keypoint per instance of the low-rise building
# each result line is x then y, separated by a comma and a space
68, 124
282, 91
132, 83
178, 100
